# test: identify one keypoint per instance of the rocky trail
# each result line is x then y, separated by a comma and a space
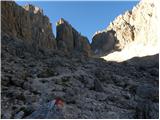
90, 87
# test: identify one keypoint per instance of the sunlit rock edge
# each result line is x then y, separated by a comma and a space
147, 41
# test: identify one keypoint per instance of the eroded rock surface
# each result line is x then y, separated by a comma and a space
90, 87
27, 23
103, 42
135, 33
70, 40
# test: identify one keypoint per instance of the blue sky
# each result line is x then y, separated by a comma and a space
85, 16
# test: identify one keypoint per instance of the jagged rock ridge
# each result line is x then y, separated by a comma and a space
28, 24
68, 39
135, 32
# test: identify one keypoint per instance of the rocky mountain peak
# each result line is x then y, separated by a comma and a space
69, 39
61, 21
137, 27
33, 9
27, 24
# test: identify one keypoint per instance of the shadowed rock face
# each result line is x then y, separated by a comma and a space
28, 24
68, 39
137, 27
64, 36
103, 42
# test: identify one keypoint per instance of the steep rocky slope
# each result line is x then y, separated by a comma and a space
90, 87
134, 33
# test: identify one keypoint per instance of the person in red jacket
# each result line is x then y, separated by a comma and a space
50, 110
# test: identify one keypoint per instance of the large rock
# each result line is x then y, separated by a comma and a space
135, 33
27, 23
103, 42
69, 40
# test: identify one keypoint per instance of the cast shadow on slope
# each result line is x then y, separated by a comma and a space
90, 87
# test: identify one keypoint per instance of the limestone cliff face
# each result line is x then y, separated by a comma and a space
64, 36
134, 30
140, 24
69, 40
27, 23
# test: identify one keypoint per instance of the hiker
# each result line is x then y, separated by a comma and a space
51, 110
